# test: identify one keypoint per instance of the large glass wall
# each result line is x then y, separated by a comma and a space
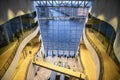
60, 32
14, 27
105, 29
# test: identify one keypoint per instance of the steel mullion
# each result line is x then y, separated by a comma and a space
64, 28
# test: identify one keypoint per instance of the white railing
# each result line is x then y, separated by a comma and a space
93, 54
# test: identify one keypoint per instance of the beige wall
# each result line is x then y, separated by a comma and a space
108, 11
12, 8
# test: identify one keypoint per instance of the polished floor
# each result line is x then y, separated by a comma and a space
88, 64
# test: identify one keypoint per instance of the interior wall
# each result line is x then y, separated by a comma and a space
12, 8
108, 11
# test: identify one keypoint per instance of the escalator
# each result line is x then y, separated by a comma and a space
62, 76
53, 74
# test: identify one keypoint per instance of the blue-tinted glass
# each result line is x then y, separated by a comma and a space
61, 35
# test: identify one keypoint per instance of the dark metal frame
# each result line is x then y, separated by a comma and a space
63, 3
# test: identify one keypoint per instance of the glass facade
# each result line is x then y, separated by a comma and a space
60, 32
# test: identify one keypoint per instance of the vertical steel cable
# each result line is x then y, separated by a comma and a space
47, 31
76, 36
53, 36
64, 29
58, 34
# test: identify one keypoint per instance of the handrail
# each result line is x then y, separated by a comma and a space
10, 59
99, 56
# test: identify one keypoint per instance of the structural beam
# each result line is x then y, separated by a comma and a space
59, 69
63, 3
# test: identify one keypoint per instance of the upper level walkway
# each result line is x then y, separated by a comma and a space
25, 60
8, 55
89, 66
111, 70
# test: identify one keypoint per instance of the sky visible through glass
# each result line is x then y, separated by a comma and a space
61, 35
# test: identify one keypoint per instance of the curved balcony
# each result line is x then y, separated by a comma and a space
106, 68
95, 52
9, 72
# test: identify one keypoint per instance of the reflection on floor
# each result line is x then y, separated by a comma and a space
44, 74
88, 63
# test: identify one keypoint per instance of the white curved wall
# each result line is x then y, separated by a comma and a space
14, 63
12, 8
108, 11
93, 54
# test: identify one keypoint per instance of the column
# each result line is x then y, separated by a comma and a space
6, 33
21, 25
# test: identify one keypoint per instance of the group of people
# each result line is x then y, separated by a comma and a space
61, 55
